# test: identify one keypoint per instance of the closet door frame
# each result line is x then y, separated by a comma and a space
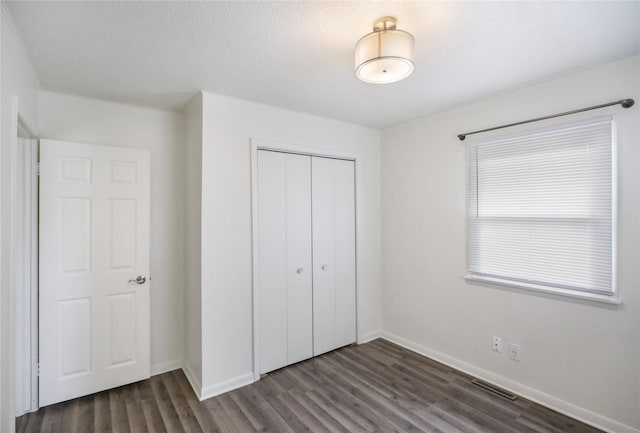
274, 146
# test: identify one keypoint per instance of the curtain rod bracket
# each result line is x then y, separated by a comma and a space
626, 103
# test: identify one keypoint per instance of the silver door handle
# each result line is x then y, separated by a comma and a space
141, 279
299, 270
324, 267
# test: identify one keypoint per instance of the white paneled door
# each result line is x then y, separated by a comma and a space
94, 268
334, 254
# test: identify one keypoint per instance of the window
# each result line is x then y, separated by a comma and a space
540, 210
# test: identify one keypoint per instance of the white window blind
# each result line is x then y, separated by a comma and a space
540, 208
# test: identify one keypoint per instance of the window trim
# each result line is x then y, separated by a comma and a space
589, 296
612, 298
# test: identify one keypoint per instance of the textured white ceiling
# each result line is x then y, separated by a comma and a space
299, 55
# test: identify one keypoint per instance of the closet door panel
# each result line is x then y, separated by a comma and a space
299, 272
272, 260
345, 252
324, 295
334, 267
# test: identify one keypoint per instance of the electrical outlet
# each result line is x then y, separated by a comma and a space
515, 352
497, 344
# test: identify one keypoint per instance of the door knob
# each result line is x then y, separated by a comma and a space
324, 267
299, 270
141, 279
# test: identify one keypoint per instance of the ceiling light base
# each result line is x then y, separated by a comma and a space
384, 23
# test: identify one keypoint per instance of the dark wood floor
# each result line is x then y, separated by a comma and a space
374, 387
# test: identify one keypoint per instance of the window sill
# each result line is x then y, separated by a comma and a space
551, 290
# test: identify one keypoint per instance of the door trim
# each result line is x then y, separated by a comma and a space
257, 144
25, 250
23, 246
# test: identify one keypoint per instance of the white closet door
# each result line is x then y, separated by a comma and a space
334, 280
284, 259
299, 265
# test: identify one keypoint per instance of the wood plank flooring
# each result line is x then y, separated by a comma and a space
374, 387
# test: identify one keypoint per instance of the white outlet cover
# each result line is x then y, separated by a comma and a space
515, 352
497, 344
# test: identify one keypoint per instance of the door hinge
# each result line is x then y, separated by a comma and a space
37, 169
38, 369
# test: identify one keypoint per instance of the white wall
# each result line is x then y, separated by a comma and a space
580, 357
193, 232
72, 118
228, 126
18, 97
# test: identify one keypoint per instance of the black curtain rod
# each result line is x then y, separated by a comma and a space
626, 103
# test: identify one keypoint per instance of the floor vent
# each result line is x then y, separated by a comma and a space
494, 389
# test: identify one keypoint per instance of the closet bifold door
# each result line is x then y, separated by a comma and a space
284, 259
334, 265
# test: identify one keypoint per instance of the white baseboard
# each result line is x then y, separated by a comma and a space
217, 389
163, 367
557, 404
193, 380
369, 336
226, 386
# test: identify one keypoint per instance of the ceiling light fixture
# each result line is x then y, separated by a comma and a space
386, 54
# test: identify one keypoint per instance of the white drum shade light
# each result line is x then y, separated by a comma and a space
386, 54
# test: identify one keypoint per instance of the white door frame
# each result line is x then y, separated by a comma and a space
259, 144
25, 270
18, 124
